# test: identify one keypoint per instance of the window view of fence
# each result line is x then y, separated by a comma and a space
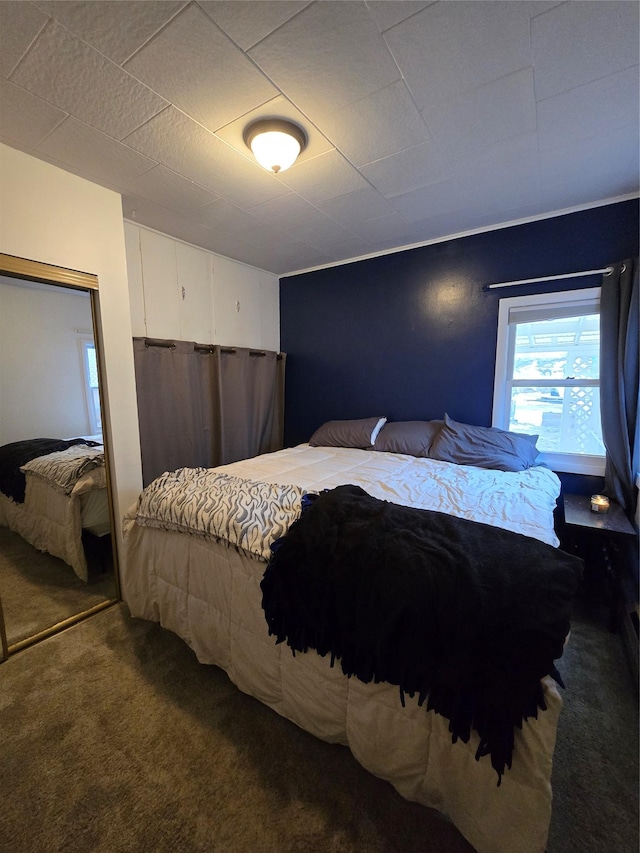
555, 383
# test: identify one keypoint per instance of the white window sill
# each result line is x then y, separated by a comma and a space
574, 463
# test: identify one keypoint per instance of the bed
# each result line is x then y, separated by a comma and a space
54, 491
197, 544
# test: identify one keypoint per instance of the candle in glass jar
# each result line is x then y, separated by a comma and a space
599, 503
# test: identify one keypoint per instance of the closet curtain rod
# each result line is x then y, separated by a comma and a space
604, 271
208, 348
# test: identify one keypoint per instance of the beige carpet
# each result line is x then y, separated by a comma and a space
115, 739
39, 590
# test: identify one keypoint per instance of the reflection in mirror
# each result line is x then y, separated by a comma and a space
56, 556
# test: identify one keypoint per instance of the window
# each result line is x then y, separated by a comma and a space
90, 366
548, 376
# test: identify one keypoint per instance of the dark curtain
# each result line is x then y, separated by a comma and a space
619, 379
251, 422
201, 406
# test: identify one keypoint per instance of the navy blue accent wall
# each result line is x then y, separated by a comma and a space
412, 335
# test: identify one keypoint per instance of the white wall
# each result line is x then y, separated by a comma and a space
181, 292
51, 216
42, 382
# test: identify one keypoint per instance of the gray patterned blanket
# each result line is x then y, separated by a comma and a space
63, 468
205, 502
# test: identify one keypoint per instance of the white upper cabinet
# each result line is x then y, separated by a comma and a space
194, 293
134, 275
180, 292
160, 282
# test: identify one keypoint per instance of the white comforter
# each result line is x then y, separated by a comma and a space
209, 594
522, 501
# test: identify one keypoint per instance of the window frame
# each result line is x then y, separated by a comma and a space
92, 401
575, 463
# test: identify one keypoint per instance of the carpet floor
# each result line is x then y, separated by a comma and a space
114, 739
39, 590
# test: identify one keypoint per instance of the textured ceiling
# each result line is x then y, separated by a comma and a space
424, 119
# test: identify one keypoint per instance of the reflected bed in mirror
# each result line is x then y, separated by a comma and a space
57, 560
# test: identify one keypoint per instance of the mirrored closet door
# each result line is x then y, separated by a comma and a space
58, 561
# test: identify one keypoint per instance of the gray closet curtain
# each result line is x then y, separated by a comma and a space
201, 406
251, 422
619, 380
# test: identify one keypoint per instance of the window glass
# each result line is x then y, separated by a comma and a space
91, 384
548, 376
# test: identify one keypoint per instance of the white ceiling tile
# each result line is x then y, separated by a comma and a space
501, 177
156, 216
296, 256
50, 70
450, 48
319, 232
378, 244
517, 189
232, 246
170, 190
590, 110
232, 220
114, 28
323, 177
360, 205
539, 7
467, 65
478, 119
349, 248
249, 22
604, 166
578, 42
24, 117
417, 205
20, 23
184, 228
416, 167
329, 55
222, 214
387, 14
445, 224
285, 211
390, 118
208, 77
94, 154
393, 227
185, 147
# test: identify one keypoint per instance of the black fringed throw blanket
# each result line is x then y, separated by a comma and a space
467, 616
12, 456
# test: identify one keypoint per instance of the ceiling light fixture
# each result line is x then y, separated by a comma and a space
276, 143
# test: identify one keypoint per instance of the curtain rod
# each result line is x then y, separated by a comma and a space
208, 348
605, 271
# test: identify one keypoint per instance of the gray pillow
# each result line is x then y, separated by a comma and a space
484, 447
360, 433
411, 437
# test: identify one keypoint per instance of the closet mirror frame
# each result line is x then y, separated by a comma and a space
30, 270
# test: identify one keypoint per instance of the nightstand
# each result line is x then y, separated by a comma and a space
608, 529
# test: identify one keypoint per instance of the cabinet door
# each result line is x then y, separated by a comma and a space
194, 286
134, 275
270, 312
160, 280
236, 304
